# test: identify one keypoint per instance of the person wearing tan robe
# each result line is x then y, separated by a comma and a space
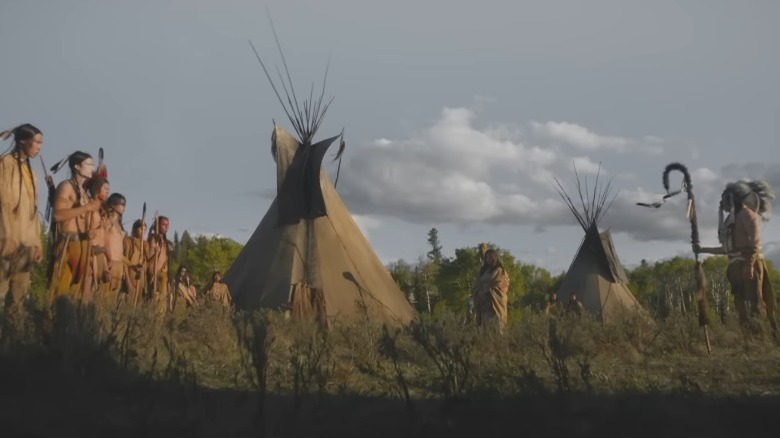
20, 228
740, 235
160, 249
136, 258
218, 291
491, 292
183, 290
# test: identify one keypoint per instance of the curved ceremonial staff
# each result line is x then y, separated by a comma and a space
701, 294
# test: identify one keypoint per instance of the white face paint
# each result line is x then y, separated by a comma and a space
86, 168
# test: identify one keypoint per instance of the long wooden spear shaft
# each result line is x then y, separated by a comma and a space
701, 293
52, 193
157, 254
141, 280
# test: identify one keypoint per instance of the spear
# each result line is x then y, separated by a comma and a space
157, 254
143, 259
47, 216
52, 190
701, 295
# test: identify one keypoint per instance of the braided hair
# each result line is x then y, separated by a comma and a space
22, 134
114, 200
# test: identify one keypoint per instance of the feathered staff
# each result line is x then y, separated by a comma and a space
102, 171
701, 295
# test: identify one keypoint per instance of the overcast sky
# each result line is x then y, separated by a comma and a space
457, 114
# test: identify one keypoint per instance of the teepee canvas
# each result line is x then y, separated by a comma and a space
596, 275
308, 257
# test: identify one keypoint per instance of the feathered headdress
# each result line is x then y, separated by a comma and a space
758, 195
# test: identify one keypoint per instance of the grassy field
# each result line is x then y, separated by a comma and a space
209, 372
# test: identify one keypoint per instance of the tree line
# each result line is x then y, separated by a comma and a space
434, 283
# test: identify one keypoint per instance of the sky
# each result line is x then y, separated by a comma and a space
457, 114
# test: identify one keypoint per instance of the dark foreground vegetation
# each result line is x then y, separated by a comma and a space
209, 372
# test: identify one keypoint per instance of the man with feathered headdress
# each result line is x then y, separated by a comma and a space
739, 233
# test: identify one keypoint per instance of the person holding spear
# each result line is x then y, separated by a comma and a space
136, 251
159, 256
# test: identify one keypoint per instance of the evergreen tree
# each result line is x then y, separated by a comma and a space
434, 254
186, 244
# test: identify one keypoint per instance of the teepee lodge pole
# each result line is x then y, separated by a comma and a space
701, 293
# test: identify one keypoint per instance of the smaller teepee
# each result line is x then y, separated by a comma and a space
595, 274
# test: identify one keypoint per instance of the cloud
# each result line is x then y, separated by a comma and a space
455, 171
583, 138
586, 166
578, 136
463, 172
366, 223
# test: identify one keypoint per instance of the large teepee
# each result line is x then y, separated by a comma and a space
595, 274
308, 256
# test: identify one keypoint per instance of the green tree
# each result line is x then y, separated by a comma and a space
182, 250
538, 285
434, 254
641, 283
176, 245
401, 271
457, 277
718, 287
424, 285
209, 254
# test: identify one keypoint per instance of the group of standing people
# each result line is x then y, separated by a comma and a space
92, 256
553, 307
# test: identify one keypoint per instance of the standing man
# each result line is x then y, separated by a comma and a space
71, 208
136, 256
97, 263
160, 249
739, 234
115, 239
20, 228
491, 292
